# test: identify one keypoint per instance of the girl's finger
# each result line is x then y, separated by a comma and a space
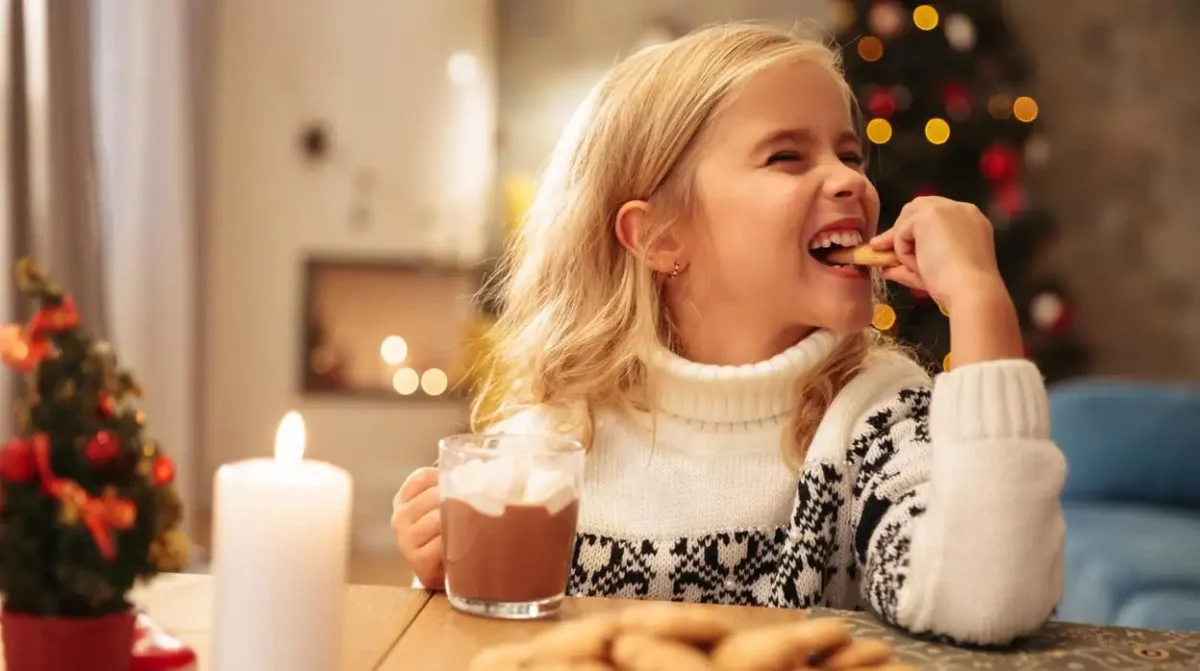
419, 481
884, 241
424, 503
426, 529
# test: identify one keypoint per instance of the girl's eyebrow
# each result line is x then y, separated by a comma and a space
803, 136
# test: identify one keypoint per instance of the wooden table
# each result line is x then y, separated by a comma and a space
394, 628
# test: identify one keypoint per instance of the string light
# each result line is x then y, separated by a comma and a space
937, 131
405, 381
879, 131
1025, 109
434, 382
884, 317
948, 361
925, 17
393, 349
870, 49
1000, 106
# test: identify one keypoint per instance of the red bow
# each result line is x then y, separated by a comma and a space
100, 514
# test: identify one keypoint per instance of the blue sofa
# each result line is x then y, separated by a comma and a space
1131, 501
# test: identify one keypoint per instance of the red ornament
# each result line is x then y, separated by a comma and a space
102, 447
920, 294
164, 470
17, 463
957, 100
999, 163
105, 405
55, 319
1010, 199
881, 103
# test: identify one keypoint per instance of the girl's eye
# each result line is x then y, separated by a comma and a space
854, 159
784, 156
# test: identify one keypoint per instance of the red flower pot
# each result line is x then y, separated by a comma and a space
35, 643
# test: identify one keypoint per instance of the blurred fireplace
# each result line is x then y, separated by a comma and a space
388, 328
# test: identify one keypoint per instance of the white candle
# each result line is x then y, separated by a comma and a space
281, 532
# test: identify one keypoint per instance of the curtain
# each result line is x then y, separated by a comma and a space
50, 194
149, 86
98, 149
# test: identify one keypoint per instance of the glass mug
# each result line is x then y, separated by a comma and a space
509, 506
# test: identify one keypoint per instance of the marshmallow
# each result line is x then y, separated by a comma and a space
550, 488
512, 479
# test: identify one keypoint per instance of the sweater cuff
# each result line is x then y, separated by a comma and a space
990, 400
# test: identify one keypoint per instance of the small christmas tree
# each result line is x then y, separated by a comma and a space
87, 503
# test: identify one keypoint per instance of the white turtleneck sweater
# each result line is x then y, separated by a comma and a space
934, 503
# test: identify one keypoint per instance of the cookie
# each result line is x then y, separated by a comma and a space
863, 255
861, 652
503, 657
592, 665
780, 647
640, 652
587, 638
821, 636
688, 623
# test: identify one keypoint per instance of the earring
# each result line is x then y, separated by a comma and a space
675, 270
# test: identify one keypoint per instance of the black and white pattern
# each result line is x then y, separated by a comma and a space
847, 541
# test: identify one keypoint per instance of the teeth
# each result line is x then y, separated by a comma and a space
839, 238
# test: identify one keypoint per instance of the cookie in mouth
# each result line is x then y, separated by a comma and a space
825, 242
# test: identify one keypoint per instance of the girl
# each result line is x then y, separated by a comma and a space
751, 440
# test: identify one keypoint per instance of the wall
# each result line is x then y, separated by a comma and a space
409, 174
551, 52
1116, 84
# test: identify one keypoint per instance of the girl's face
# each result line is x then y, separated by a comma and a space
778, 176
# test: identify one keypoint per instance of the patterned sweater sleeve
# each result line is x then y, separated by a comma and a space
958, 531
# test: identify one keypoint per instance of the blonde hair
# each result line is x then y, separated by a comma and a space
580, 311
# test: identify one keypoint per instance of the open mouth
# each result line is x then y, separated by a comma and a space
828, 241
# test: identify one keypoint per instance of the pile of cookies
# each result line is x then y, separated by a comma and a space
678, 637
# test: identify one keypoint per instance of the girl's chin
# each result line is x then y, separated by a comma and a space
849, 317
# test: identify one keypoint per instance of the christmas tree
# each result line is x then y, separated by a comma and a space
87, 503
944, 89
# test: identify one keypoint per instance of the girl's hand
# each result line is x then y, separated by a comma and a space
417, 523
946, 248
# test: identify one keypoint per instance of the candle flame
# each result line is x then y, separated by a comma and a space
289, 439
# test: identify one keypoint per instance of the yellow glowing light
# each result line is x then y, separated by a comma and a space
943, 310
394, 349
1000, 106
434, 382
884, 317
1025, 109
937, 131
948, 362
289, 438
870, 49
925, 17
879, 131
405, 381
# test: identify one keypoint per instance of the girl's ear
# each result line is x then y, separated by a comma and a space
633, 222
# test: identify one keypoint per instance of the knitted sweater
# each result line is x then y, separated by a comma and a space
932, 503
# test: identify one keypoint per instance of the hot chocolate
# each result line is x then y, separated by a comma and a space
522, 555
508, 529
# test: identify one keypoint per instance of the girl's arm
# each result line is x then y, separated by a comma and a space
958, 529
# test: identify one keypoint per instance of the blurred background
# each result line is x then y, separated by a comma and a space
270, 205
